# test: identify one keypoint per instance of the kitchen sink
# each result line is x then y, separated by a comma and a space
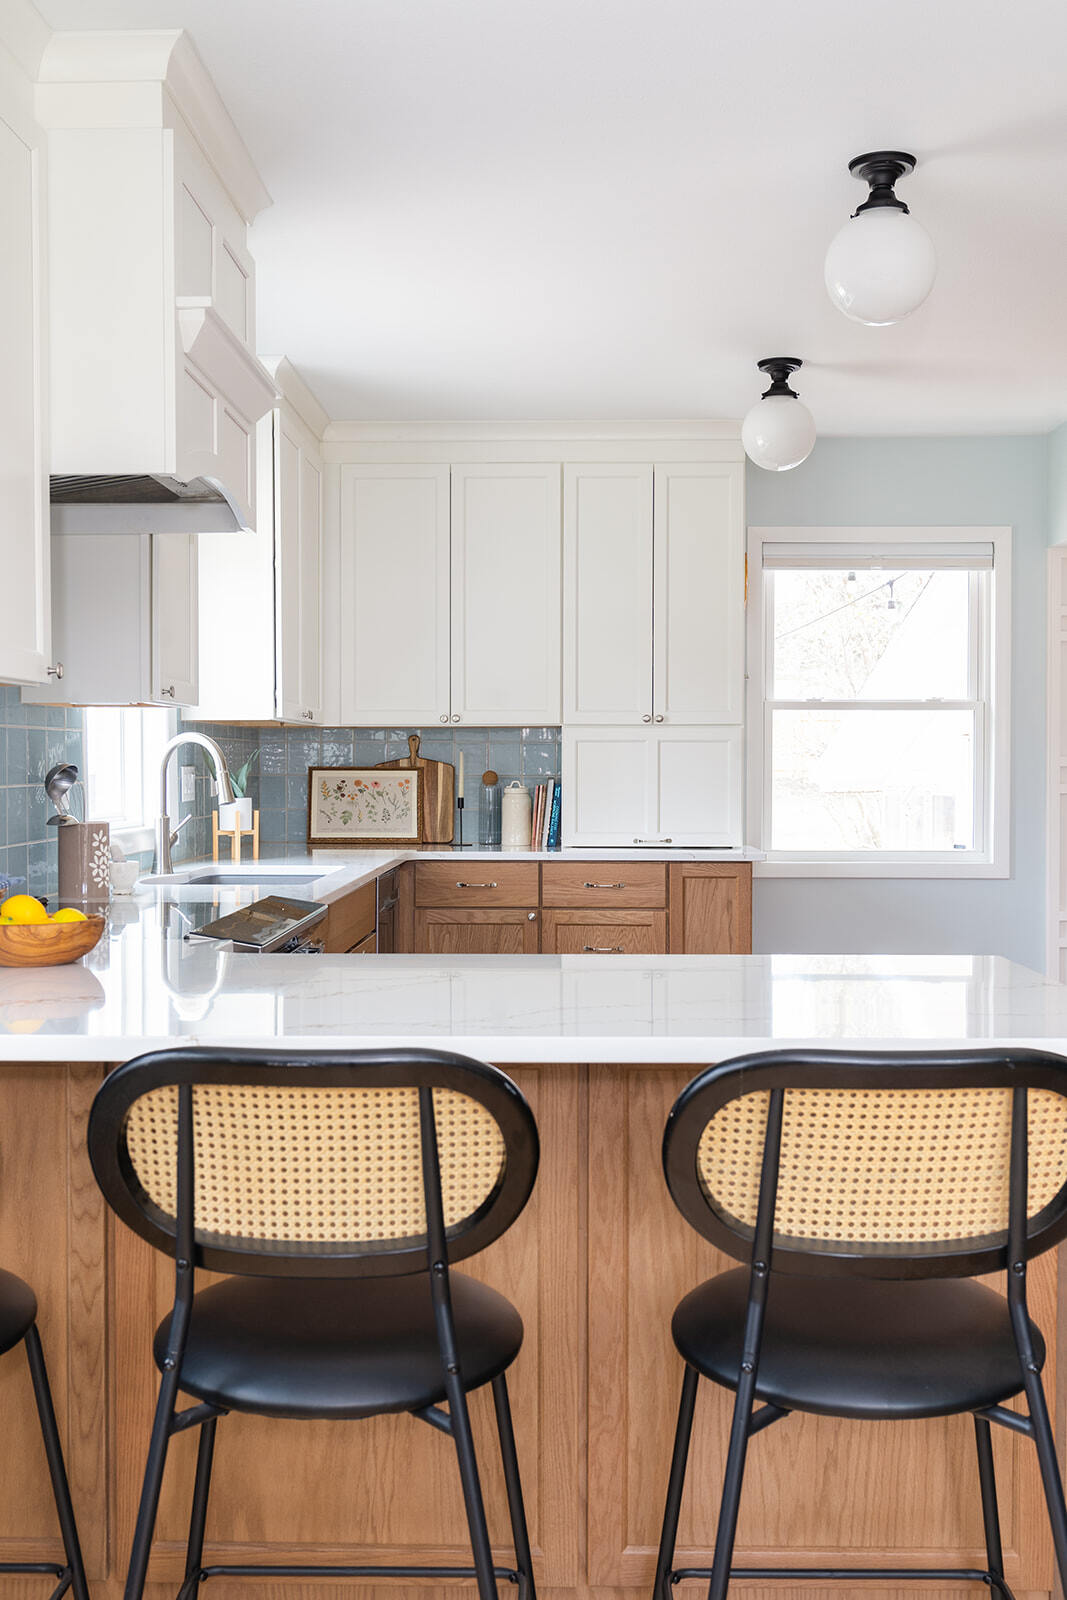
256, 877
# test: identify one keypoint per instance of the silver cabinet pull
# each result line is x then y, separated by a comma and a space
56, 672
444, 716
169, 691
476, 885
603, 886
455, 716
659, 716
602, 949
531, 916
647, 718
652, 841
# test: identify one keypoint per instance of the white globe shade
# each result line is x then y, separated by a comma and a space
880, 267
778, 433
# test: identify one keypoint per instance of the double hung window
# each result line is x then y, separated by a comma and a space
882, 700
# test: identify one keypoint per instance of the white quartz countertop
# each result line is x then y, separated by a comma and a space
145, 986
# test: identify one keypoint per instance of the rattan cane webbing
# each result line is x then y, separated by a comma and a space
880, 1166
324, 1166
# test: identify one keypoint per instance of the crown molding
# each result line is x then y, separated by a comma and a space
123, 79
295, 392
702, 430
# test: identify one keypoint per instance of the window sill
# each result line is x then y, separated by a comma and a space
133, 838
867, 867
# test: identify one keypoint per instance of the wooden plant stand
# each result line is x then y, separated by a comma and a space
235, 836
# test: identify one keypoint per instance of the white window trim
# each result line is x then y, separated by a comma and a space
135, 831
995, 861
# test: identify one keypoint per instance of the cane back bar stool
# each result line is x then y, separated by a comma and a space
337, 1190
862, 1191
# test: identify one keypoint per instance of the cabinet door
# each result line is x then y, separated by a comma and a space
607, 594
394, 594
100, 575
298, 572
506, 594
695, 781
698, 590
24, 552
452, 931
605, 786
711, 908
595, 932
175, 663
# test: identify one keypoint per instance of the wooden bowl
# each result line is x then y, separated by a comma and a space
47, 944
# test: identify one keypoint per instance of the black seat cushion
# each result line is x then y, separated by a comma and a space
18, 1310
857, 1347
318, 1347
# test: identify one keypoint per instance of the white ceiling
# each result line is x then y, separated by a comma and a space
547, 209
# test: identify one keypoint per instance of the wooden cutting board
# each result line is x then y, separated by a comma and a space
437, 780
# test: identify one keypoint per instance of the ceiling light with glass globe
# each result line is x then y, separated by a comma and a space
779, 432
881, 266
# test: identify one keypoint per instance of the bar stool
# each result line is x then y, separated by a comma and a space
337, 1190
863, 1192
18, 1325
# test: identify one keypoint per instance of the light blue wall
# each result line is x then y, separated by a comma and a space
910, 483
1057, 486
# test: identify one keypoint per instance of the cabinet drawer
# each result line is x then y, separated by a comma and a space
350, 920
630, 933
605, 883
476, 883
366, 947
448, 931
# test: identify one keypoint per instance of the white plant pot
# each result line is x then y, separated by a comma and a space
236, 815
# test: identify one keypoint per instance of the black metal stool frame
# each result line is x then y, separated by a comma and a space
424, 1070
777, 1071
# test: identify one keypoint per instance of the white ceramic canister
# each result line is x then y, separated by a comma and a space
516, 817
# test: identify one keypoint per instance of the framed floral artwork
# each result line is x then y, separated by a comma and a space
364, 805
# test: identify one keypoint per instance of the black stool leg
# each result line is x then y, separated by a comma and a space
731, 1488
153, 1483
1050, 1471
472, 1489
990, 1514
42, 1393
194, 1558
520, 1537
675, 1485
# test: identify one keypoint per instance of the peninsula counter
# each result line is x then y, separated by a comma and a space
595, 1264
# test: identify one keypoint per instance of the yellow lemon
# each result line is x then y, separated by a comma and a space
68, 914
23, 908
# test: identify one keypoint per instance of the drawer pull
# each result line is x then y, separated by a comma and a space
602, 949
652, 841
603, 886
476, 885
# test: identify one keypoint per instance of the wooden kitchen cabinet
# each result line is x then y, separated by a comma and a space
481, 883
24, 548
471, 555
636, 786
604, 884
476, 931
146, 586
653, 593
577, 932
711, 908
351, 922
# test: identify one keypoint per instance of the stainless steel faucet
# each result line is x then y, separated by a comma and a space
165, 838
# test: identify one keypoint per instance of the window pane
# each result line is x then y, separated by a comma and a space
870, 635
872, 780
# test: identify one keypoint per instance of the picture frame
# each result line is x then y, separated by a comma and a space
364, 805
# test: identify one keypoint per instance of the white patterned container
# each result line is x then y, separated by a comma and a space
84, 865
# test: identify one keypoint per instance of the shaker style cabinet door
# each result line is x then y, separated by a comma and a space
606, 788
298, 565
607, 594
655, 786
24, 554
175, 625
506, 594
394, 594
699, 589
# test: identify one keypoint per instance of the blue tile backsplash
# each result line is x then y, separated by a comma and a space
278, 782
32, 739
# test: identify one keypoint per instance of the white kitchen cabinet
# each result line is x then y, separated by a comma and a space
394, 589
450, 594
24, 552
634, 786
151, 286
261, 593
505, 565
124, 610
653, 595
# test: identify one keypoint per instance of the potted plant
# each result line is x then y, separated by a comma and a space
237, 817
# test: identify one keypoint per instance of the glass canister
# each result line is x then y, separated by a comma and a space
516, 811
489, 810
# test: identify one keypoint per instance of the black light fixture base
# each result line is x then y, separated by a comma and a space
881, 169
778, 369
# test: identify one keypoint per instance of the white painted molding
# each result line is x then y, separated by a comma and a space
292, 388
118, 79
704, 429
1056, 764
219, 353
23, 34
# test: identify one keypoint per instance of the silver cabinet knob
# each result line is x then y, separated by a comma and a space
56, 672
531, 916
169, 691
647, 717
455, 716
444, 716
659, 718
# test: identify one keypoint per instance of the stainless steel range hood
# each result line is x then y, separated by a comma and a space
147, 503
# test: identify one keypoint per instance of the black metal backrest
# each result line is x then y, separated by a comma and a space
319, 1165
893, 1165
